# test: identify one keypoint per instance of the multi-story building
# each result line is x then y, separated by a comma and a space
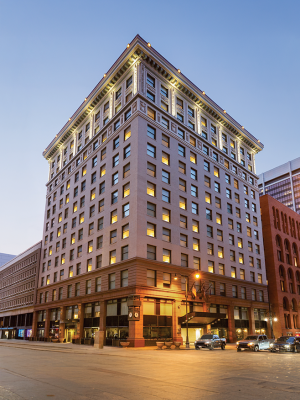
18, 283
4, 258
281, 231
283, 183
149, 181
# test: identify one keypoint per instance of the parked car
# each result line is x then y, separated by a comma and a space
210, 342
254, 343
286, 344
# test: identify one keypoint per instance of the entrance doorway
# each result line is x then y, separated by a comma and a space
194, 334
69, 335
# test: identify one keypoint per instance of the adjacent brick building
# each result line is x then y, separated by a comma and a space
18, 284
149, 181
281, 232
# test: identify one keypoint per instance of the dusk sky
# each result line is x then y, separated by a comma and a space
244, 55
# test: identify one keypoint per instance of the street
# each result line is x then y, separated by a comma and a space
44, 370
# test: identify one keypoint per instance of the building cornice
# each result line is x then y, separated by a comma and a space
140, 49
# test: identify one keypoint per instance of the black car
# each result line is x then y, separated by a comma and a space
286, 344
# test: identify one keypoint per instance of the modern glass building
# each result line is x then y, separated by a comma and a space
283, 184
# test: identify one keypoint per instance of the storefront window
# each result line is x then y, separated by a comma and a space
112, 308
165, 308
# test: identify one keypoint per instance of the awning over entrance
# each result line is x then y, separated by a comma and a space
201, 318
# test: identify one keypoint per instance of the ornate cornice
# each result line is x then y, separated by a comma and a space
139, 49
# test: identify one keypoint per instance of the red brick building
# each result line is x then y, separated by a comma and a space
281, 233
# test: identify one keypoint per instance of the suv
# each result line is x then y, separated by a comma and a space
254, 343
210, 342
287, 344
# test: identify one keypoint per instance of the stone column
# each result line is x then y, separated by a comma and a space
80, 324
251, 321
103, 318
34, 324
175, 326
136, 337
231, 325
62, 323
47, 323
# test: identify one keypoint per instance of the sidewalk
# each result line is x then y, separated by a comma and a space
83, 349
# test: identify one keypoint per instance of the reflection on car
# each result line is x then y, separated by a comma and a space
286, 344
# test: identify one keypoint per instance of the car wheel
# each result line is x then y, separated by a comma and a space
256, 348
223, 346
238, 349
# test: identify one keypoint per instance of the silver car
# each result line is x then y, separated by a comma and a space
254, 343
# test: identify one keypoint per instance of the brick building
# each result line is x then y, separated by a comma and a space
149, 181
18, 283
281, 232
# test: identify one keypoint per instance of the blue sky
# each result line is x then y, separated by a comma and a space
244, 54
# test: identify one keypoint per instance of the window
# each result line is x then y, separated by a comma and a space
124, 253
194, 208
252, 276
181, 167
181, 150
151, 150
124, 278
151, 253
126, 190
193, 158
165, 140
99, 261
216, 172
182, 185
166, 196
208, 214
234, 291
206, 166
217, 187
150, 96
221, 269
150, 81
166, 215
113, 236
196, 244
183, 240
166, 279
182, 203
195, 226
211, 267
218, 218
165, 158
151, 277
166, 256
112, 257
196, 263
166, 234
151, 169
94, 162
194, 191
151, 209
209, 231
180, 133
184, 260
164, 91
127, 151
79, 251
151, 189
165, 176
151, 229
183, 221
125, 210
180, 117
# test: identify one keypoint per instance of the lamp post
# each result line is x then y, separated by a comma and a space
197, 276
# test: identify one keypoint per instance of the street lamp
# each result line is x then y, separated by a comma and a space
197, 276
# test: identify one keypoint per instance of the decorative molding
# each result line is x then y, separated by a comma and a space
143, 106
173, 127
134, 107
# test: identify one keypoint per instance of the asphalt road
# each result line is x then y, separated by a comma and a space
43, 371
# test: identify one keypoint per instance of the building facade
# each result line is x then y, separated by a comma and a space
281, 231
150, 181
4, 258
283, 183
18, 283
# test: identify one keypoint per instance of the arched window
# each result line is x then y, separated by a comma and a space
281, 272
290, 274
293, 226
282, 220
279, 248
274, 217
286, 224
287, 249
297, 276
285, 304
295, 255
294, 305
278, 219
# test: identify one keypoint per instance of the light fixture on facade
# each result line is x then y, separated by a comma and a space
128, 45
104, 75
175, 277
242, 127
85, 99
179, 70
203, 93
149, 45
224, 111
69, 119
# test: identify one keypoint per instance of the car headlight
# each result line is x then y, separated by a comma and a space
237, 343
272, 345
206, 342
287, 345
250, 344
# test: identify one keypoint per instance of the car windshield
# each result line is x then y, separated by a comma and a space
290, 340
206, 336
251, 338
282, 339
